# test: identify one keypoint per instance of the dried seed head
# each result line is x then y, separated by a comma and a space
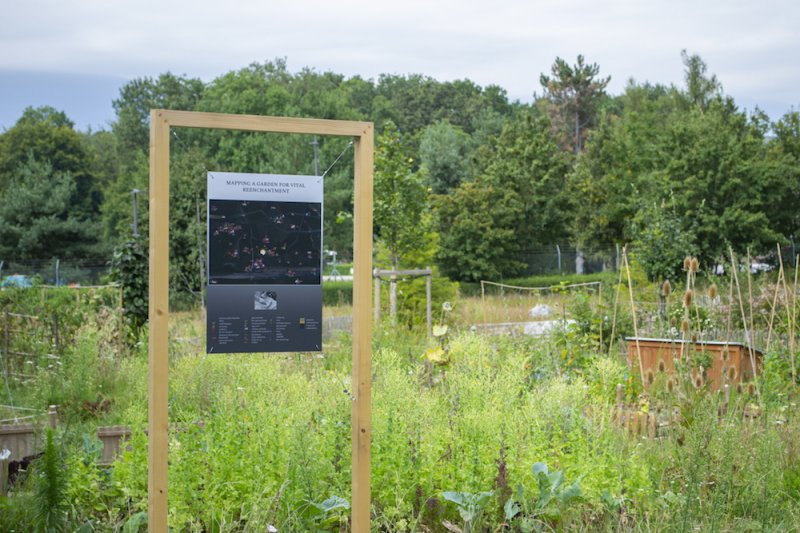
698, 381
687, 263
732, 373
650, 377
666, 288
751, 388
694, 337
694, 264
670, 385
685, 325
661, 366
738, 388
712, 291
673, 322
687, 298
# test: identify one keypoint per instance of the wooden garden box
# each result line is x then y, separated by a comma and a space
670, 350
18, 439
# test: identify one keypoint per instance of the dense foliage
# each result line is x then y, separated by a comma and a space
578, 167
469, 430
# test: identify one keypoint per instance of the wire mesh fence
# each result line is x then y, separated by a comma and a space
91, 271
567, 259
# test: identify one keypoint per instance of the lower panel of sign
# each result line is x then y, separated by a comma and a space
264, 318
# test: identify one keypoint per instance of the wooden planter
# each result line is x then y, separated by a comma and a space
18, 439
667, 350
115, 437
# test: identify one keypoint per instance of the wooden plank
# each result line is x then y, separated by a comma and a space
393, 297
310, 126
377, 295
428, 311
410, 272
158, 324
362, 332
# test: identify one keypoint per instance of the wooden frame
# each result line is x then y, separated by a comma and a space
161, 121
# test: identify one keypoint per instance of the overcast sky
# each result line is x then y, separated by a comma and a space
75, 54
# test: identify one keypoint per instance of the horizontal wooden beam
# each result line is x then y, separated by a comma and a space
414, 272
310, 126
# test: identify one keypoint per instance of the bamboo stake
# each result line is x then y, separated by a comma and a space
794, 319
781, 276
633, 313
600, 310
744, 323
750, 293
616, 304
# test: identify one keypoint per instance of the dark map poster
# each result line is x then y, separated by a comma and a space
264, 263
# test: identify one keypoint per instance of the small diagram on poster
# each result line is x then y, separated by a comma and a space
265, 301
264, 263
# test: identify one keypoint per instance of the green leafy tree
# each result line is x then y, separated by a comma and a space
517, 203
400, 205
574, 93
660, 242
478, 223
45, 134
38, 219
784, 156
701, 88
443, 151
694, 152
139, 96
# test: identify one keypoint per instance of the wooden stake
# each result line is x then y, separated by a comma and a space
792, 329
744, 323
483, 302
775, 298
750, 293
377, 295
393, 297
633, 313
616, 304
428, 303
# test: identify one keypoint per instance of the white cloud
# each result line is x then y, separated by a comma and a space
750, 46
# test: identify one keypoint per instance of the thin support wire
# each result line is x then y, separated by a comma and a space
349, 145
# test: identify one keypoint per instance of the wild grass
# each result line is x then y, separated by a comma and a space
260, 440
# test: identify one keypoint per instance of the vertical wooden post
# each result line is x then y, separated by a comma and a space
6, 340
120, 323
55, 333
377, 296
428, 312
158, 312
483, 302
393, 296
362, 332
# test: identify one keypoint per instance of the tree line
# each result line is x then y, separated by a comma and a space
465, 178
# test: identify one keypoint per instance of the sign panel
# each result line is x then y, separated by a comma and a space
264, 263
